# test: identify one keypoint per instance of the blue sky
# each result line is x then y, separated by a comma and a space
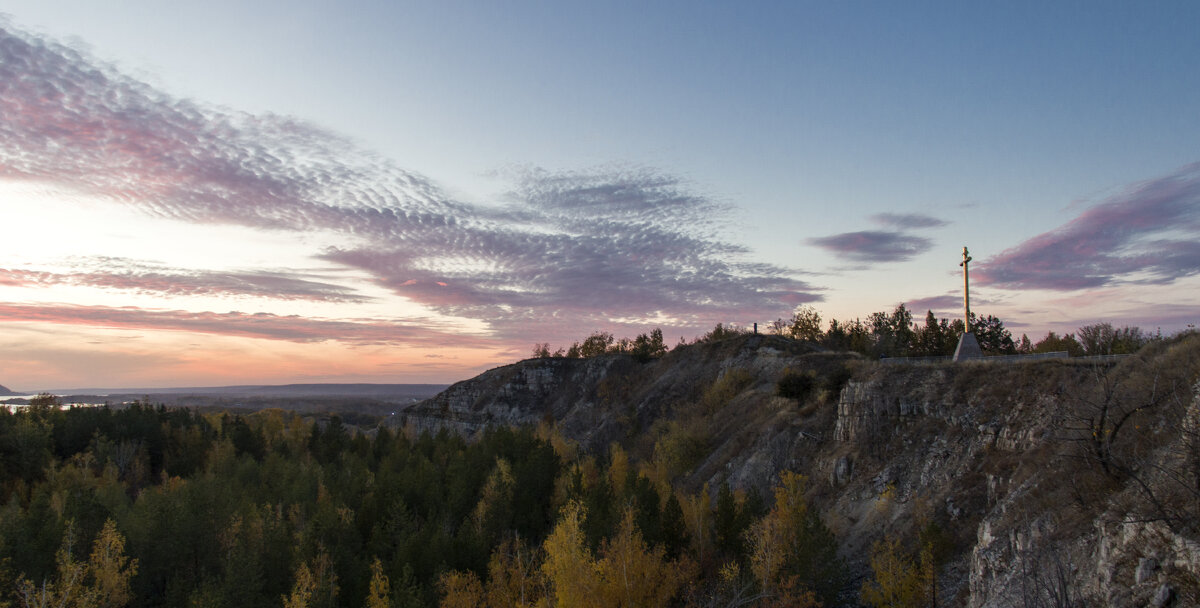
523, 172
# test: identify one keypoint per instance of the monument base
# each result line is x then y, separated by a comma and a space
968, 348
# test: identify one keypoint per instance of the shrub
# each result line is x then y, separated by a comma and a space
796, 385
682, 447
836, 380
725, 389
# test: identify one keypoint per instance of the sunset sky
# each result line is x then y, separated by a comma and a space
275, 192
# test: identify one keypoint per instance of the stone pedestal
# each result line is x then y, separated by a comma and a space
968, 348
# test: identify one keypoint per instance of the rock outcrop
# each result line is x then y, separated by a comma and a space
1057, 482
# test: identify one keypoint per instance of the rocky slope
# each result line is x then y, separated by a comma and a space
1059, 482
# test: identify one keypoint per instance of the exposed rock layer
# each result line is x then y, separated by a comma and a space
1058, 481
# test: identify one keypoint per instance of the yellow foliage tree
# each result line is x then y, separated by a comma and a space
767, 549
569, 566
67, 589
697, 513
302, 589
618, 470
791, 548
633, 575
316, 584
496, 494
790, 593
899, 581
566, 449
110, 568
514, 577
461, 590
380, 590
101, 582
627, 574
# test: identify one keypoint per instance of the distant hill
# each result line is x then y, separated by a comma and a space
4, 392
369, 399
382, 392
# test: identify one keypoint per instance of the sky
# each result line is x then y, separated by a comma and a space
222, 193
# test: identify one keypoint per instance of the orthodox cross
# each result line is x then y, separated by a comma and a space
966, 290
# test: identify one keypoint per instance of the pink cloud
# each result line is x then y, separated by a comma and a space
1150, 233
938, 304
257, 325
144, 278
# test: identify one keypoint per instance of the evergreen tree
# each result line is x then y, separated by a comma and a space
993, 338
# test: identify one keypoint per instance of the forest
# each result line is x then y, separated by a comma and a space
150, 506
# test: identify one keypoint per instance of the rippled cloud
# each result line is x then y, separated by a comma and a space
560, 249
155, 279
291, 328
1149, 233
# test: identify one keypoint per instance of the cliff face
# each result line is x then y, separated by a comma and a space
609, 398
1058, 482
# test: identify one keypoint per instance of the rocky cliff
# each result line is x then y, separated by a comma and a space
1058, 482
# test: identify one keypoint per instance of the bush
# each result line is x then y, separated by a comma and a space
682, 447
725, 389
836, 380
796, 385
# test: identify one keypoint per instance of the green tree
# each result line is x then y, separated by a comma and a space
1024, 346
721, 332
805, 324
727, 525
992, 336
646, 347
1054, 343
1104, 339
936, 339
596, 344
893, 333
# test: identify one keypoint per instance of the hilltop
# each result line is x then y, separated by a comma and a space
1052, 479
5, 392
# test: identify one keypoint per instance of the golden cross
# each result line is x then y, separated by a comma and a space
966, 291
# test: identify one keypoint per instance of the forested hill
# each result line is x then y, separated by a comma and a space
5, 392
1030, 466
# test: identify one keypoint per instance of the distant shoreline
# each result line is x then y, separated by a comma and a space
401, 394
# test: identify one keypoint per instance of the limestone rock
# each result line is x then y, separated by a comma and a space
1145, 569
1164, 596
